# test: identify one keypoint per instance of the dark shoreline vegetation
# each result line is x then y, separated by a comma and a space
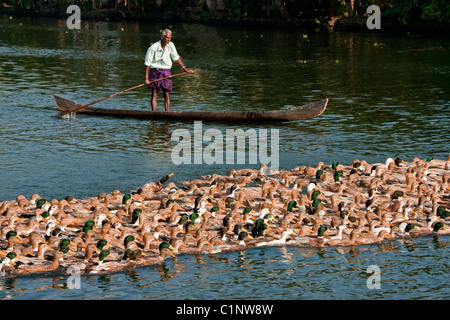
422, 16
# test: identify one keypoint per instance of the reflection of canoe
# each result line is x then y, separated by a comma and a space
308, 111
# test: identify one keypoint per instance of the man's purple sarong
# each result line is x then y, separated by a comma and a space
155, 74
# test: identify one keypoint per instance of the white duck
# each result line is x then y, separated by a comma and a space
277, 242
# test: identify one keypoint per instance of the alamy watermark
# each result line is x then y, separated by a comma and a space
74, 21
221, 149
374, 281
74, 281
374, 21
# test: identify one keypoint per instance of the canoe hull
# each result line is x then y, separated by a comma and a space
307, 111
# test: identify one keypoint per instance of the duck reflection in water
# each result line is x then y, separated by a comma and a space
165, 272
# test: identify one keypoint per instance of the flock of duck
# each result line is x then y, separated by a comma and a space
326, 205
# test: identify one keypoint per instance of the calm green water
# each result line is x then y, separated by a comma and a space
388, 95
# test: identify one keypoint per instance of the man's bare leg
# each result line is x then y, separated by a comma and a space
154, 97
167, 100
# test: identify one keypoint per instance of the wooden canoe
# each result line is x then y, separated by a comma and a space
308, 111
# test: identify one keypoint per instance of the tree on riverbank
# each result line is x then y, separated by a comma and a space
402, 11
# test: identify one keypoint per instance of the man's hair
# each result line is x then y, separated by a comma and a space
165, 31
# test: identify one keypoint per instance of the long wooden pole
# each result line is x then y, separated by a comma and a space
114, 94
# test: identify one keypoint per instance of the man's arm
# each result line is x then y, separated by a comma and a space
183, 67
147, 69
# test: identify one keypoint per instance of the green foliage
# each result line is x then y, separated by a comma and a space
407, 11
242, 8
234, 8
86, 5
403, 10
147, 5
22, 4
437, 10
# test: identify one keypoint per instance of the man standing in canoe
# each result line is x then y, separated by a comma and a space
158, 61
